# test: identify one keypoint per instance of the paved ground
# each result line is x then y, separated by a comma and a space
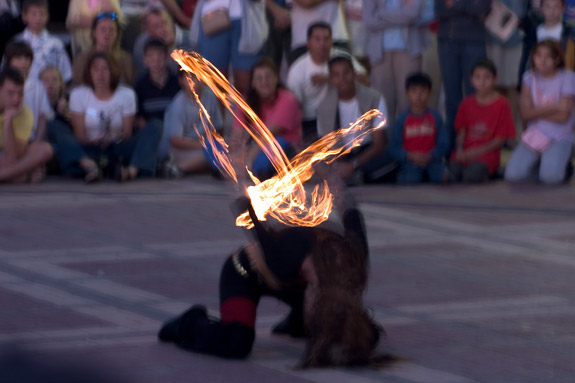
473, 284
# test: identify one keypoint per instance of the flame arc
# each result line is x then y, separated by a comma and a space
283, 196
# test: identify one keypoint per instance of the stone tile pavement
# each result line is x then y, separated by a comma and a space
472, 283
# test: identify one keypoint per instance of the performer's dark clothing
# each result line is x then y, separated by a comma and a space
241, 288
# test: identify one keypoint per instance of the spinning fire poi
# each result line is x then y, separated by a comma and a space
321, 274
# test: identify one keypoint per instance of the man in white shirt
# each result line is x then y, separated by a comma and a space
308, 76
345, 102
306, 12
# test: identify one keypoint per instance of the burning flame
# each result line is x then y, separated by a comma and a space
282, 196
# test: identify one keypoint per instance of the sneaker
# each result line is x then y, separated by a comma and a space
171, 170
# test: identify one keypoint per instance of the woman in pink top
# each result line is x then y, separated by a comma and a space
280, 112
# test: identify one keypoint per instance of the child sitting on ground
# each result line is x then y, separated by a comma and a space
419, 140
183, 128
19, 56
48, 50
484, 122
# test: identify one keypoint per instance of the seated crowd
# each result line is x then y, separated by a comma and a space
110, 102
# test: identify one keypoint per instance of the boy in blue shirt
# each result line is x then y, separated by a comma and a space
419, 139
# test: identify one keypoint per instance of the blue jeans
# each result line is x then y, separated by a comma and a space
528, 166
138, 151
222, 48
409, 173
456, 60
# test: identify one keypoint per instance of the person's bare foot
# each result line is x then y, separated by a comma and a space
38, 175
127, 174
93, 173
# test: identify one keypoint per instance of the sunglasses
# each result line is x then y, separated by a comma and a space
107, 15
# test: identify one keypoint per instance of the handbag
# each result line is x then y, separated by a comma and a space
535, 140
216, 21
501, 22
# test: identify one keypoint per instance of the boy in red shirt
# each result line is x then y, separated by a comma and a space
419, 139
484, 122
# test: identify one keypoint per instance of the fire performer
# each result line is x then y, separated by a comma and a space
320, 273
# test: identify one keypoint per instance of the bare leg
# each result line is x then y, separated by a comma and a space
36, 155
193, 163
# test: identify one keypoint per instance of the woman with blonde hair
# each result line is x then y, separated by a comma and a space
81, 14
106, 34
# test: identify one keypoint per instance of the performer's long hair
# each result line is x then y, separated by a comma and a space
341, 331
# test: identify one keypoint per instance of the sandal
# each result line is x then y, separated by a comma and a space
93, 172
93, 175
124, 174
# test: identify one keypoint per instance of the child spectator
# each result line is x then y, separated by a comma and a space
461, 38
48, 50
484, 122
158, 86
20, 160
56, 92
19, 56
419, 140
106, 37
549, 26
81, 14
157, 25
546, 104
181, 139
103, 138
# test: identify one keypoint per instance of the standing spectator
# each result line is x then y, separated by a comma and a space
176, 11
461, 38
546, 104
507, 58
56, 92
307, 12
280, 112
279, 40
308, 76
81, 14
157, 25
10, 22
419, 141
484, 122
155, 89
183, 129
103, 138
19, 56
345, 101
395, 46
106, 37
357, 29
240, 44
48, 50
20, 160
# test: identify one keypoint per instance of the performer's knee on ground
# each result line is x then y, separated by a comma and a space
240, 340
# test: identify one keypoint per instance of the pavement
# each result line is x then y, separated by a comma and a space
472, 283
